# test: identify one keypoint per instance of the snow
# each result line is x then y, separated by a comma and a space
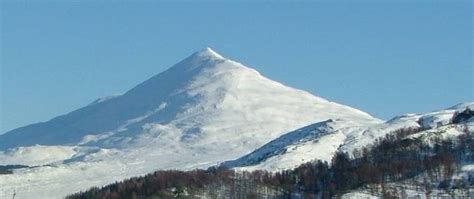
321, 140
36, 155
468, 168
209, 53
292, 149
104, 99
202, 111
358, 195
463, 106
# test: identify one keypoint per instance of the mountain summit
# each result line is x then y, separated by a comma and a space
208, 52
202, 111
205, 96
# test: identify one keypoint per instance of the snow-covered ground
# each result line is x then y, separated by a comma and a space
204, 110
36, 155
321, 140
201, 112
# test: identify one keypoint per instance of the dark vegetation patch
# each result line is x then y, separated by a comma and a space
463, 116
8, 169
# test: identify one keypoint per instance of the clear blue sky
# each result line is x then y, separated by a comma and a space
384, 58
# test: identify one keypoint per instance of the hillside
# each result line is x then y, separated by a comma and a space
321, 140
202, 111
406, 163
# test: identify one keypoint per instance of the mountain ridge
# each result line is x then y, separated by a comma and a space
322, 139
181, 84
200, 112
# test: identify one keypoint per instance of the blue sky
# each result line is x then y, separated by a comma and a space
384, 58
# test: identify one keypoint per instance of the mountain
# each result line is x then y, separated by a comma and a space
432, 156
322, 139
201, 94
202, 111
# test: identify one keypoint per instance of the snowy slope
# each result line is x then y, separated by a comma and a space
317, 140
204, 110
203, 91
321, 140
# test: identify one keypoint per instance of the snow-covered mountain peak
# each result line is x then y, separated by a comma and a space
208, 52
199, 112
205, 96
202, 111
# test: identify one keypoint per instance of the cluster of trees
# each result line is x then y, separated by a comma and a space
8, 169
462, 116
390, 159
4, 171
212, 183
